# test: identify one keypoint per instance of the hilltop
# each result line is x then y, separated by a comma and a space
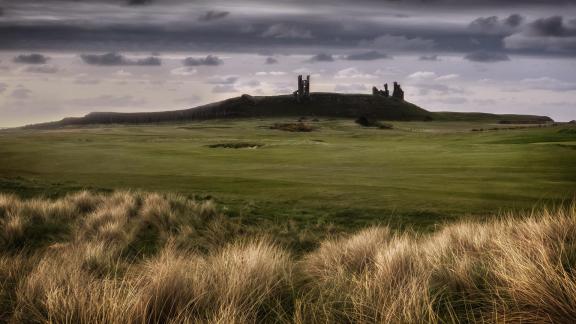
334, 105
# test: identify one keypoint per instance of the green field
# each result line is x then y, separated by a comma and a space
418, 174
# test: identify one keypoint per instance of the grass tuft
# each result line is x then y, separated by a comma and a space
129, 257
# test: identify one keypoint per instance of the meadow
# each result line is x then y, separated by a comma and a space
417, 175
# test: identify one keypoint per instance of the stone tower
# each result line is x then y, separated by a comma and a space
303, 92
398, 92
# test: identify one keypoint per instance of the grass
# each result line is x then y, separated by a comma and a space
419, 174
206, 267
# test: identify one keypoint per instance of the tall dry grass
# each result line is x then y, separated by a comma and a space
130, 257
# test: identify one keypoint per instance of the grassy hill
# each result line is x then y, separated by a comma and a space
319, 105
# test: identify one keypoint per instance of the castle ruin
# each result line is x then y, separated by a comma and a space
303, 92
378, 92
397, 92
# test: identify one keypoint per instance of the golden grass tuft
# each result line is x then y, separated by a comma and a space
131, 257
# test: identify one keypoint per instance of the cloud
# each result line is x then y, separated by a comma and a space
227, 79
322, 57
45, 68
210, 60
565, 45
123, 73
184, 71
367, 56
486, 57
429, 76
497, 26
116, 59
224, 88
548, 83
395, 42
21, 93
270, 73
84, 79
112, 101
353, 73
188, 100
213, 15
552, 26
552, 34
351, 88
33, 58
138, 2
452, 100
251, 84
151, 61
284, 30
439, 88
447, 77
427, 82
429, 58
422, 75
271, 60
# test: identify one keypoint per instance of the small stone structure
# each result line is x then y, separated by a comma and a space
303, 92
378, 92
397, 92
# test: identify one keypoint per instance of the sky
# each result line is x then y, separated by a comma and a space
68, 58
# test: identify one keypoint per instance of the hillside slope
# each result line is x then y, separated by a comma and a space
246, 106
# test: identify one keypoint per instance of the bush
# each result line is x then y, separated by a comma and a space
367, 122
293, 127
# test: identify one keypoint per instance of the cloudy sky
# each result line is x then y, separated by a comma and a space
67, 58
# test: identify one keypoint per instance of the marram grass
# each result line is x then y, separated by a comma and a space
132, 257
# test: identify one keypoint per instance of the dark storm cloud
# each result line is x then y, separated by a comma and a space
495, 25
210, 60
486, 57
34, 58
286, 30
367, 56
554, 26
115, 59
271, 60
322, 57
553, 34
274, 30
213, 15
452, 3
138, 2
472, 3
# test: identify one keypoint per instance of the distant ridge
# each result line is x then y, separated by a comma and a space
318, 105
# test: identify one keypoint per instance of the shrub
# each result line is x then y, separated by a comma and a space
367, 122
293, 127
